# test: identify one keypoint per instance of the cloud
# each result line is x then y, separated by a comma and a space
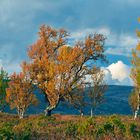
20, 21
118, 74
119, 70
117, 44
115, 74
10, 67
121, 44
82, 33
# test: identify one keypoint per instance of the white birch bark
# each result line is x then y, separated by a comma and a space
91, 112
138, 107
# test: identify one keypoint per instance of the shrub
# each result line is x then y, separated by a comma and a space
23, 130
6, 132
71, 129
134, 131
100, 132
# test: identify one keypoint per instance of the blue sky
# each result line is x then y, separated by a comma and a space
116, 19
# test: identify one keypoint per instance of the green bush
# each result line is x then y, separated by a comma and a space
23, 130
87, 126
100, 132
134, 131
6, 132
108, 128
71, 129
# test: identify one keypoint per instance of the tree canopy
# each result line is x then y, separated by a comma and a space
19, 94
57, 68
4, 79
134, 98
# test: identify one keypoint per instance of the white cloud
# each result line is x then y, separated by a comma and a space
81, 34
118, 44
21, 13
108, 77
119, 70
118, 74
121, 44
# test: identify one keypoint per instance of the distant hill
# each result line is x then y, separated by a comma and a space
116, 102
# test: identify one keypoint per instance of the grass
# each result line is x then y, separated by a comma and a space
61, 127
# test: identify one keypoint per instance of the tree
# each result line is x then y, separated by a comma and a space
58, 69
97, 88
78, 101
3, 85
134, 99
19, 94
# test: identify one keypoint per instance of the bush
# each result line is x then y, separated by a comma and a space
100, 132
23, 130
134, 131
108, 128
6, 132
71, 129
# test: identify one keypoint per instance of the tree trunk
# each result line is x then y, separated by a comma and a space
53, 103
20, 113
48, 112
136, 114
91, 112
49, 109
138, 107
81, 113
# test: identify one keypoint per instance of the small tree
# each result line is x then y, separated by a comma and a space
134, 99
20, 93
3, 85
97, 88
77, 100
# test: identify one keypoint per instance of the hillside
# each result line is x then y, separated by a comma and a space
115, 102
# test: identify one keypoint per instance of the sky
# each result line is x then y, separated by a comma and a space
116, 19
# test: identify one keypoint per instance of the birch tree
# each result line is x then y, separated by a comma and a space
97, 89
78, 100
134, 99
58, 69
19, 94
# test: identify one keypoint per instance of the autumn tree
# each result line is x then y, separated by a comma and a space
58, 69
97, 88
3, 85
134, 99
19, 94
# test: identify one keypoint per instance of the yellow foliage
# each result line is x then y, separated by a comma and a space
58, 68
